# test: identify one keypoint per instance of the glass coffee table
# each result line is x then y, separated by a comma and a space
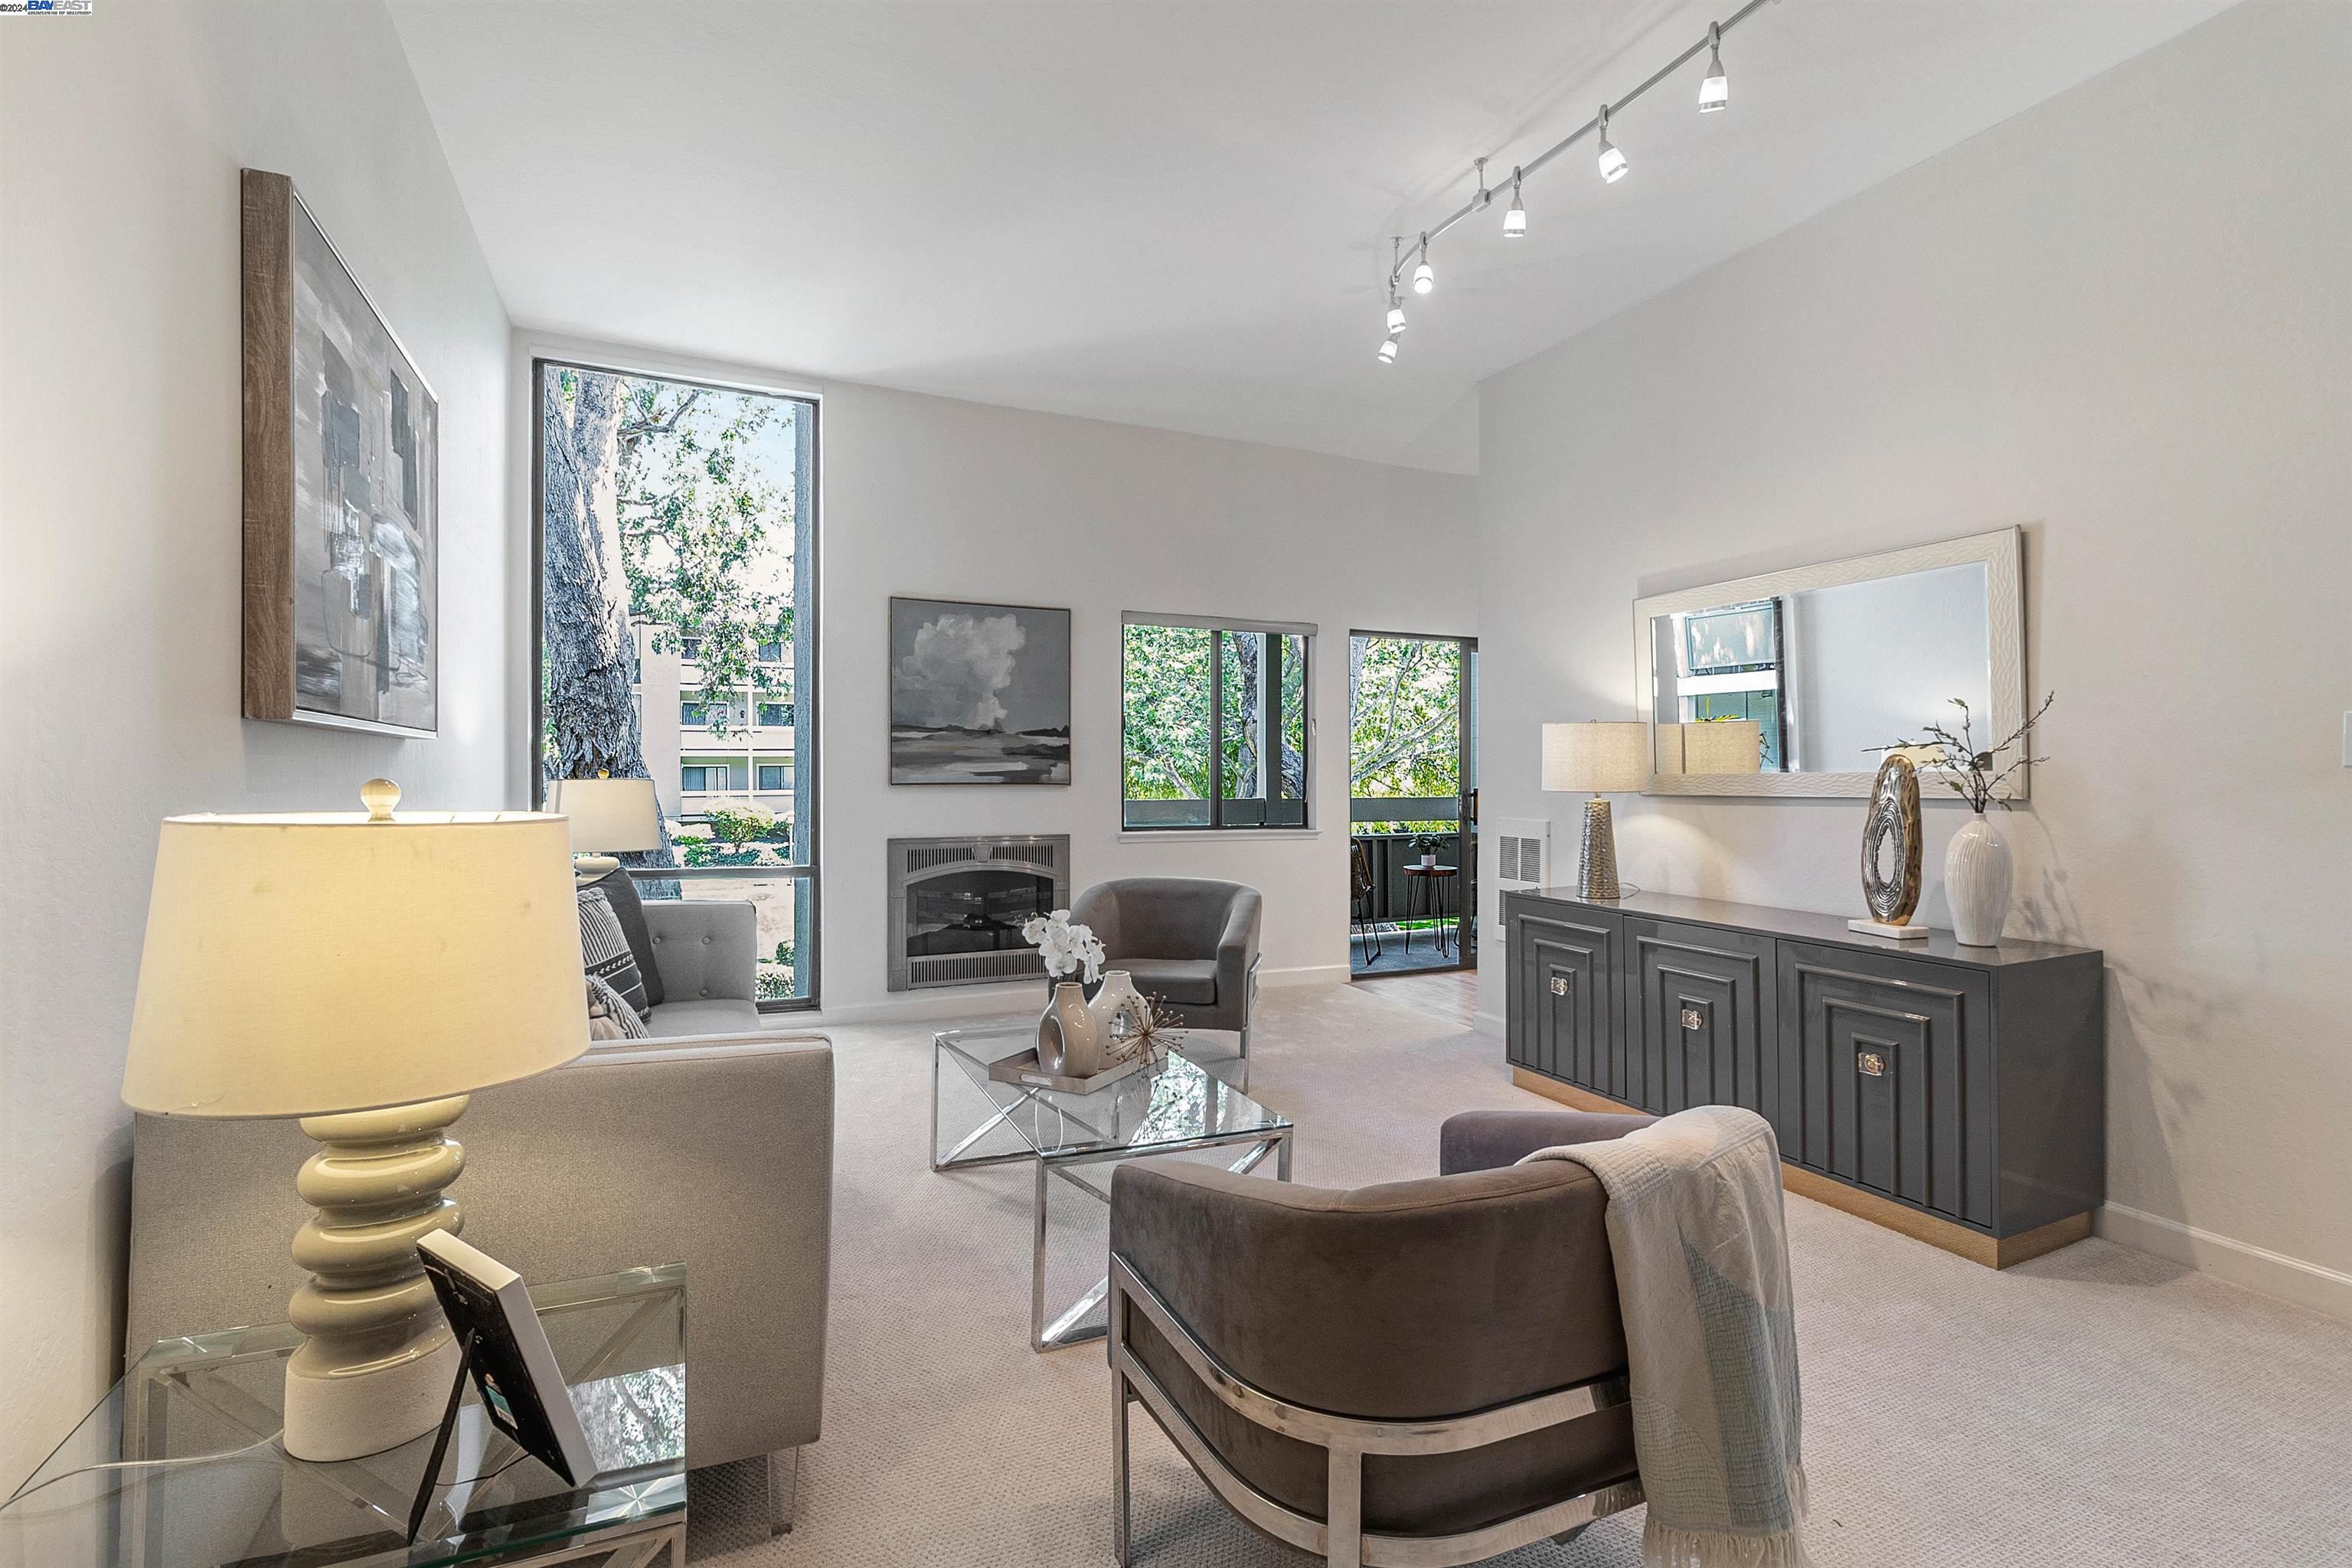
1168, 1109
218, 1401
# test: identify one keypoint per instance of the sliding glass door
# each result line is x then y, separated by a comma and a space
676, 547
1412, 803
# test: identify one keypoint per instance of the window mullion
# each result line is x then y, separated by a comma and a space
1216, 727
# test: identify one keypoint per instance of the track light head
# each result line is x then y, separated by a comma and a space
1389, 351
1515, 221
1423, 279
1612, 162
1715, 93
1396, 312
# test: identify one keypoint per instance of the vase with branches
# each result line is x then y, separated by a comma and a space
1972, 773
1976, 869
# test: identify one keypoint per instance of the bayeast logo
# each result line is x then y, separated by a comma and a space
45, 7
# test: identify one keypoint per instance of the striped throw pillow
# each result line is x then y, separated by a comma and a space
604, 949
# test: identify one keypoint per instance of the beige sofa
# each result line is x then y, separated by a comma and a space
714, 1152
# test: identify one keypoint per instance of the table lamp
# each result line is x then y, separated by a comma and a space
609, 816
1604, 759
365, 972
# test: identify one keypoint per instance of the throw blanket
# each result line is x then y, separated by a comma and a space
1694, 1225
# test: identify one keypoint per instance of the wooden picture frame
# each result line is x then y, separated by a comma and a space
342, 515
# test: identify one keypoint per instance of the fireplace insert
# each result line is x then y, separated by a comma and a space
956, 906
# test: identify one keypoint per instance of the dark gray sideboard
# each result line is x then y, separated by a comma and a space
1957, 1094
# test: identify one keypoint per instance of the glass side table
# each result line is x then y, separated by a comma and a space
620, 1341
1174, 1107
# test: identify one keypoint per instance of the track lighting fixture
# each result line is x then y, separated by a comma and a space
1612, 162
1715, 93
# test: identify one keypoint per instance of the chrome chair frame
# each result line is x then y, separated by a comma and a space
1339, 1537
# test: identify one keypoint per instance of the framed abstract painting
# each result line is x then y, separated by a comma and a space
978, 693
341, 489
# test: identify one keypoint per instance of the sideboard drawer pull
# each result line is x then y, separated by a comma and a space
1873, 1064
1692, 1019
1559, 984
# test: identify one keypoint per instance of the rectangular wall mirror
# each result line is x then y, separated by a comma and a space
1787, 683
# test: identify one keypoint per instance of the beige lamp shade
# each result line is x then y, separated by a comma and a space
609, 816
1723, 746
301, 965
1605, 759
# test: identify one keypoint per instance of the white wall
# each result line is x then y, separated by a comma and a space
932, 497
2122, 320
948, 499
120, 554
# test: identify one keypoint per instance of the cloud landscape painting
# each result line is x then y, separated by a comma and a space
978, 693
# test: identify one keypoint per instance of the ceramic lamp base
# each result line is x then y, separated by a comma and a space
374, 1368
1880, 928
591, 868
346, 1413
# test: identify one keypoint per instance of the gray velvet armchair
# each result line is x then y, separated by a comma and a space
1424, 1371
1187, 941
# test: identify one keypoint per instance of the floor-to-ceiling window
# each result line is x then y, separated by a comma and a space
677, 537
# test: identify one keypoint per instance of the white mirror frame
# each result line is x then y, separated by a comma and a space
2001, 553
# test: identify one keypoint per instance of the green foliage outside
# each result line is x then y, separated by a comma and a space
1168, 694
1405, 704
702, 529
736, 825
1405, 701
705, 534
776, 976
1167, 713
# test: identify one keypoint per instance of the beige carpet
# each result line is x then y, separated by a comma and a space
2096, 1406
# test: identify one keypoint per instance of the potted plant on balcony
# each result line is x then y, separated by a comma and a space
1428, 844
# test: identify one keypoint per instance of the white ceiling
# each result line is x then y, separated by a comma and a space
1176, 214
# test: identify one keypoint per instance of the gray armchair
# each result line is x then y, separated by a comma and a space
1187, 941
1424, 1371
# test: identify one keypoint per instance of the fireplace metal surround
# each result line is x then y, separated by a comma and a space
957, 905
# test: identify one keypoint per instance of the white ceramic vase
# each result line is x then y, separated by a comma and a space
1069, 1041
1977, 880
1116, 1005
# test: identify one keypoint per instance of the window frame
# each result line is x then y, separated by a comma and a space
804, 650
1217, 627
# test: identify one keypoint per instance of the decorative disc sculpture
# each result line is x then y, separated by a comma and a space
1890, 852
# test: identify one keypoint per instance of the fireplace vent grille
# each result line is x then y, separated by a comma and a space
957, 905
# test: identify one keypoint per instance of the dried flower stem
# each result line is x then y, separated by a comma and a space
1974, 775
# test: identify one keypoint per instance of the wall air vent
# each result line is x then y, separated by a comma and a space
1523, 852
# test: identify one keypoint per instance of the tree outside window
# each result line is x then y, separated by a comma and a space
1215, 726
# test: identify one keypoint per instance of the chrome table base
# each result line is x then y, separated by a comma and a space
1069, 1326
